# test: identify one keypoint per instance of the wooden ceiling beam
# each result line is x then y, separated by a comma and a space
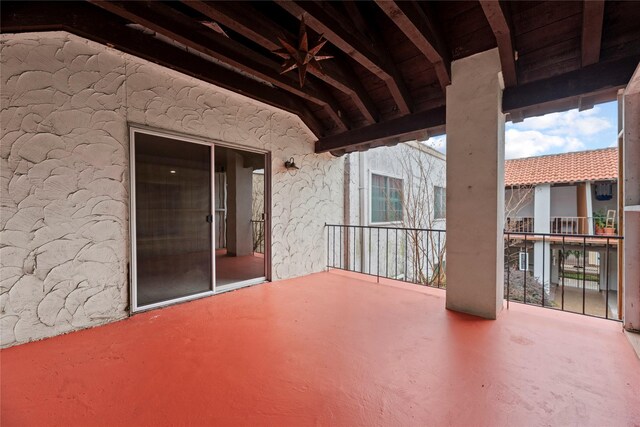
592, 18
337, 30
396, 85
390, 132
544, 96
93, 24
498, 16
170, 23
411, 19
265, 33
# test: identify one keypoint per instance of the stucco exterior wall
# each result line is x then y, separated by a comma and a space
564, 202
420, 170
519, 203
404, 162
65, 109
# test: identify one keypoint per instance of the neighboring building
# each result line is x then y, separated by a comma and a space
568, 194
395, 188
385, 182
571, 189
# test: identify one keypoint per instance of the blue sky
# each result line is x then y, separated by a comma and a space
555, 133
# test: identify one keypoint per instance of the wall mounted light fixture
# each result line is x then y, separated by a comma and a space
290, 164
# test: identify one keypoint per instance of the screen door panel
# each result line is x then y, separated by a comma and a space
173, 219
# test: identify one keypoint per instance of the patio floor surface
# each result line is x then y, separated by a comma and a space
327, 349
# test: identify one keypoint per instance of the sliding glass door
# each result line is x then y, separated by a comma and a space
240, 218
198, 220
172, 218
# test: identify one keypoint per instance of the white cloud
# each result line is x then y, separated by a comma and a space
438, 142
523, 143
572, 122
527, 143
563, 132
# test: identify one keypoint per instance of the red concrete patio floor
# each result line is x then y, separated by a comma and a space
327, 349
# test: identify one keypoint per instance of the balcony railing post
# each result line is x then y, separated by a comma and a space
406, 238
429, 244
563, 266
606, 280
354, 249
386, 250
544, 256
328, 246
396, 270
334, 247
340, 258
584, 273
508, 269
369, 251
439, 264
378, 257
526, 270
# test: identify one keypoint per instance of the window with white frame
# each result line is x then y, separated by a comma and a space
523, 261
386, 198
440, 199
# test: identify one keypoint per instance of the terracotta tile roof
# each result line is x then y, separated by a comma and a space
593, 165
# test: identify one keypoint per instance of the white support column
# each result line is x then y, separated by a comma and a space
631, 274
589, 199
239, 194
542, 224
613, 274
475, 186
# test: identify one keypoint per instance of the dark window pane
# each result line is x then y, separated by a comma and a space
440, 197
173, 236
386, 199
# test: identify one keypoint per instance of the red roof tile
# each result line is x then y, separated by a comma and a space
593, 165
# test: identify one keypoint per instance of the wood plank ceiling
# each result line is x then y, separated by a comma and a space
392, 59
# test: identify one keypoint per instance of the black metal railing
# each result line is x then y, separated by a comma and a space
576, 273
414, 255
257, 233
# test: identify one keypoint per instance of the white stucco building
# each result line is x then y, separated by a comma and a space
394, 197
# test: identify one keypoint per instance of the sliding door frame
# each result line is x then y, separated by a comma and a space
212, 143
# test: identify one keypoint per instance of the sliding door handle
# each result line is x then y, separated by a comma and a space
210, 219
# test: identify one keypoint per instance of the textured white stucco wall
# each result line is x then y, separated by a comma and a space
65, 109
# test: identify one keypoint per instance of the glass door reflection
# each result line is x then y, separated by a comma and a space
240, 217
173, 221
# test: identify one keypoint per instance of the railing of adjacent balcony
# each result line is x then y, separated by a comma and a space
567, 272
571, 225
257, 232
520, 224
413, 255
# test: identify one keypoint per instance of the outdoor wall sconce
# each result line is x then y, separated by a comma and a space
290, 164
